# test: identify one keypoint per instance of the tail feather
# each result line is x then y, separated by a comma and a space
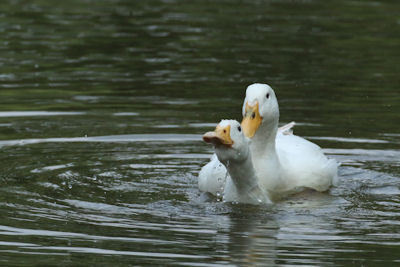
287, 128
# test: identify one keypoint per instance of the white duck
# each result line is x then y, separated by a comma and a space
284, 163
233, 151
213, 175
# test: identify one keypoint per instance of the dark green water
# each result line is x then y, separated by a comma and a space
102, 107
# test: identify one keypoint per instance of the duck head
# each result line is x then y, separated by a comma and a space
229, 141
260, 109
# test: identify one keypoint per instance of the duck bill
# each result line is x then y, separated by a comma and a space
220, 136
251, 120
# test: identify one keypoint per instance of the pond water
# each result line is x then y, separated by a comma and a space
102, 108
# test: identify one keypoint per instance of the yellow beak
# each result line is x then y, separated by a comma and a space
251, 120
220, 136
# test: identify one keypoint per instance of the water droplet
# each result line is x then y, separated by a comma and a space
220, 196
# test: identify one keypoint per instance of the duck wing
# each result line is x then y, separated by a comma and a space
212, 177
304, 164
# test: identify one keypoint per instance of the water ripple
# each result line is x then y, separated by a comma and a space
108, 139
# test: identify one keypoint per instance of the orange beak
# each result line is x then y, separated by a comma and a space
220, 136
251, 120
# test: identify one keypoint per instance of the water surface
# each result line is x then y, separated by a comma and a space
102, 107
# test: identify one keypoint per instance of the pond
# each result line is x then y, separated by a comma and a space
103, 104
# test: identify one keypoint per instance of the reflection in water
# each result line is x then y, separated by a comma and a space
253, 236
284, 233
103, 104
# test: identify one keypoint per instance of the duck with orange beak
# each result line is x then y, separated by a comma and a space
284, 163
233, 151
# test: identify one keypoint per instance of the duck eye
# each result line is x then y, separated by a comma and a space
224, 131
253, 115
239, 128
267, 96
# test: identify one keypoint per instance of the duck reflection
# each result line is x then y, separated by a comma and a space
289, 232
252, 235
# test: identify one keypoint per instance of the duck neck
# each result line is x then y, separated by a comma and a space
243, 175
263, 142
266, 160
